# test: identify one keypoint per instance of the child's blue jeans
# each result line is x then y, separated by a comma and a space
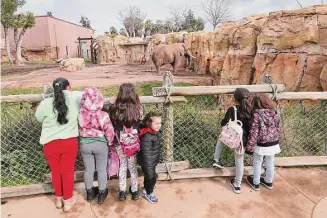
270, 168
239, 163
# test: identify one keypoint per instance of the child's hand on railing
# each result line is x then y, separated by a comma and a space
34, 105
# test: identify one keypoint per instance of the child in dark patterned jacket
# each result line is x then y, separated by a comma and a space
263, 140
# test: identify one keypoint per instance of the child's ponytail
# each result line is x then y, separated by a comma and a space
59, 103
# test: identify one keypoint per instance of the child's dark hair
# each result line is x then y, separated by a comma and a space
262, 101
126, 109
147, 121
59, 103
244, 97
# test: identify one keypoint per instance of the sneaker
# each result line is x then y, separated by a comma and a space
59, 202
135, 195
122, 196
218, 164
237, 190
266, 184
143, 191
249, 180
69, 204
151, 198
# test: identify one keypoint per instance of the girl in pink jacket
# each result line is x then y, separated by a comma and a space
96, 134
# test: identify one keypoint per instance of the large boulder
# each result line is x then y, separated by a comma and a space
72, 64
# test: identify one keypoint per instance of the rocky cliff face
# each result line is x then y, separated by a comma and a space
290, 46
120, 49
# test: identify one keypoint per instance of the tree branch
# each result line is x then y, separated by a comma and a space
299, 3
217, 11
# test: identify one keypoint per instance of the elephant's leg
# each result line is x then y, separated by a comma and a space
174, 67
158, 69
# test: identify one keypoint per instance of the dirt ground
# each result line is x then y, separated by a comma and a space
298, 192
97, 75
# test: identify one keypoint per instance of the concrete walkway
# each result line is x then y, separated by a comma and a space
298, 192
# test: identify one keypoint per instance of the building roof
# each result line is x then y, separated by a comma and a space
64, 21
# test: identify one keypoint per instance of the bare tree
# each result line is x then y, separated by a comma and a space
217, 11
177, 15
132, 19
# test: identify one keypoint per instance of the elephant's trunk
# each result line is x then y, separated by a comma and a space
188, 60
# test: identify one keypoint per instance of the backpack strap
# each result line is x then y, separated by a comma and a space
235, 113
118, 140
240, 149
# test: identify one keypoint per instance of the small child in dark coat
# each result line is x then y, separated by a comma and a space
148, 156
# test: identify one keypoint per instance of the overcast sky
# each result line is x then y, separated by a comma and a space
103, 13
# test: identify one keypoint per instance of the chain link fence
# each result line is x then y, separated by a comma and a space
190, 133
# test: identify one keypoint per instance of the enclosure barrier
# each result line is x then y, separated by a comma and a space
191, 125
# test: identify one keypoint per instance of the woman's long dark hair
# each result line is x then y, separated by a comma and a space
262, 101
126, 109
59, 103
244, 98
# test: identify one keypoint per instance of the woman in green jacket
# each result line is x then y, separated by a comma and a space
58, 116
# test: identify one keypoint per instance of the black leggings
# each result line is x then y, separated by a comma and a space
150, 178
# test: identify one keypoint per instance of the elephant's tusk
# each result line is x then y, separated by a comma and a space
192, 56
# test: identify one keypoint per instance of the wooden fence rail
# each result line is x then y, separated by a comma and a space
40, 97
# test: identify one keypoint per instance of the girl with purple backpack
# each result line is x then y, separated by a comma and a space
126, 113
96, 134
263, 141
243, 113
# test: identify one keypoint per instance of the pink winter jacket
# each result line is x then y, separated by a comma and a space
93, 122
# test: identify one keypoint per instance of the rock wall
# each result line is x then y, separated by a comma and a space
291, 46
41, 54
120, 49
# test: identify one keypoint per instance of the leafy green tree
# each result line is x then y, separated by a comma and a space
113, 31
8, 10
148, 27
123, 32
18, 22
192, 24
85, 22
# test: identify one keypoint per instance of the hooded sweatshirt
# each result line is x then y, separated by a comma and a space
94, 124
264, 130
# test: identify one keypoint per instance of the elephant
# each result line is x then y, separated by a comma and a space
170, 54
